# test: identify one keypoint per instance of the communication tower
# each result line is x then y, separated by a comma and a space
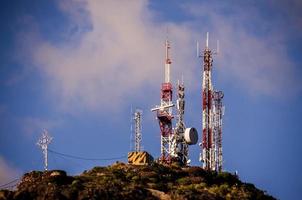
137, 119
164, 112
181, 147
218, 112
211, 145
182, 137
43, 142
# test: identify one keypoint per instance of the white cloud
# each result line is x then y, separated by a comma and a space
122, 52
114, 49
253, 47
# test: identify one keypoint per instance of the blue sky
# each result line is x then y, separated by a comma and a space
77, 67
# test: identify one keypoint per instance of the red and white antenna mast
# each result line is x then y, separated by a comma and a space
164, 111
207, 89
212, 112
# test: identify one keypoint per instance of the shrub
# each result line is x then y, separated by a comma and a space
184, 181
225, 177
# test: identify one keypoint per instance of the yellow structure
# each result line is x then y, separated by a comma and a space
139, 158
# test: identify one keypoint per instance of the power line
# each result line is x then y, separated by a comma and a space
7, 185
70, 161
83, 158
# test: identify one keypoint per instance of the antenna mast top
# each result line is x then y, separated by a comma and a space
167, 62
207, 41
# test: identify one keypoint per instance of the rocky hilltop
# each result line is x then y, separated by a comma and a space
123, 181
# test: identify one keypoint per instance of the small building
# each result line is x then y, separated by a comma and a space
139, 158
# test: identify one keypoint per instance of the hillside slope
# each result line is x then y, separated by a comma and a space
122, 181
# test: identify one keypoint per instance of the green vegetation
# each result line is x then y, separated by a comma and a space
122, 181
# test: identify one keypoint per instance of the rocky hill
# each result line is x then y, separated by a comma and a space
122, 181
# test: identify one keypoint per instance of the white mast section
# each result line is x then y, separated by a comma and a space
167, 63
207, 41
138, 129
43, 142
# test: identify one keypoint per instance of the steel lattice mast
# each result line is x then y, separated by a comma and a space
43, 142
181, 147
212, 112
137, 130
164, 111
218, 112
207, 88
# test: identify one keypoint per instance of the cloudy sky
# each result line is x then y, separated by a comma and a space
77, 67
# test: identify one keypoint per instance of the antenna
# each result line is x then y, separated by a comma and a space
167, 33
43, 142
167, 62
197, 50
207, 41
217, 50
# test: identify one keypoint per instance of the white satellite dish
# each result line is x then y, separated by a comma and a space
191, 136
